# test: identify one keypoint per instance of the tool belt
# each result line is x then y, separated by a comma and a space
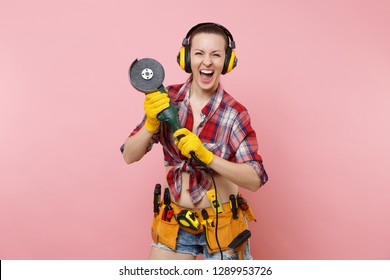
168, 220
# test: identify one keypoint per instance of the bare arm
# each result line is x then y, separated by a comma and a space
136, 145
241, 174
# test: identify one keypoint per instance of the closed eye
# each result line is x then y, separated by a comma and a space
198, 52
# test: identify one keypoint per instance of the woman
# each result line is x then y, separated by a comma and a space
216, 148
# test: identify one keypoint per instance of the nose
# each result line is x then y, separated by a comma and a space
207, 61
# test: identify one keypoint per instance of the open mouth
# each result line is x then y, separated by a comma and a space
206, 75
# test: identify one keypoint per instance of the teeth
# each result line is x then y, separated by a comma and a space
207, 72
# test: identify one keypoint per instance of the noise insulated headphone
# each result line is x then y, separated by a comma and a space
184, 57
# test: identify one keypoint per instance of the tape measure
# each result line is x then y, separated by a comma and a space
188, 219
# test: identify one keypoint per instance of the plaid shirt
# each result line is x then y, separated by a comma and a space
225, 130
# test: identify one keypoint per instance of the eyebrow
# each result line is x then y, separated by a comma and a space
211, 52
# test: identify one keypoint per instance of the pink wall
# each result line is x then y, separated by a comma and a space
315, 76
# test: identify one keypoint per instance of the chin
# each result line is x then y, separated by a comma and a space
207, 87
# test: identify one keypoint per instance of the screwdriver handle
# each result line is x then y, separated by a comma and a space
233, 206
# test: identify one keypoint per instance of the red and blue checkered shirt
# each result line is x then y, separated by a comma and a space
225, 130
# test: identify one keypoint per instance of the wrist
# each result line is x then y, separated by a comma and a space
208, 158
152, 125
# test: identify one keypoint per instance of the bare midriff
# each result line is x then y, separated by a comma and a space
224, 188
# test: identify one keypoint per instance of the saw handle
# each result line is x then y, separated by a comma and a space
171, 117
170, 114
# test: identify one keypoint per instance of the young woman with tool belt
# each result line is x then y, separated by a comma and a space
217, 129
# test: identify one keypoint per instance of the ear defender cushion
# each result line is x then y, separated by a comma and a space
230, 61
180, 58
188, 60
183, 59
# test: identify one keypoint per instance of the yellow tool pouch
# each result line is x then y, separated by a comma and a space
249, 215
165, 232
228, 229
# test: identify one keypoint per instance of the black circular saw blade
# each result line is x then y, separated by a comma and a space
146, 74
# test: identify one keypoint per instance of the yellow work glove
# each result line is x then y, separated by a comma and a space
189, 142
154, 103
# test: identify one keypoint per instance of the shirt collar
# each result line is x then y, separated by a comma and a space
183, 92
211, 106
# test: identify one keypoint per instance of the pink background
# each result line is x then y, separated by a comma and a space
315, 76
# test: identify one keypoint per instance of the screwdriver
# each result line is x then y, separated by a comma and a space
168, 211
156, 198
242, 202
233, 206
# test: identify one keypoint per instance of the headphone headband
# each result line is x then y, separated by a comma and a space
232, 44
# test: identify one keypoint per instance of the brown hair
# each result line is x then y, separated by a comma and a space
210, 28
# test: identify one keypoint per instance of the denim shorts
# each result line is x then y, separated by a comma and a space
195, 244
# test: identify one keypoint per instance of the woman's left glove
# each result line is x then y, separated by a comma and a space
189, 142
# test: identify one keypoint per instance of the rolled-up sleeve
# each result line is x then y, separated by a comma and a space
244, 141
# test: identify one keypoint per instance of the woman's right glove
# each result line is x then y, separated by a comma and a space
155, 103
190, 142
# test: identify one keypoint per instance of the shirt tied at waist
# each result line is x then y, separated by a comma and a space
198, 176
